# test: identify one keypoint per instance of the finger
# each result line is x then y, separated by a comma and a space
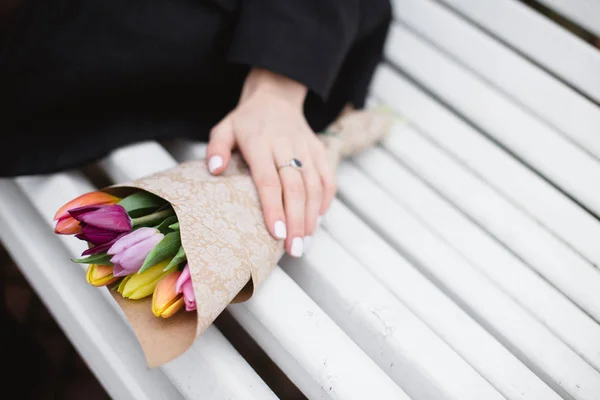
314, 197
294, 200
259, 157
220, 144
328, 183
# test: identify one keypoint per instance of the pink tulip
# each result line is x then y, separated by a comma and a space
130, 251
188, 296
184, 285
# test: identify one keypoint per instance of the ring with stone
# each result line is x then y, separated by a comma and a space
294, 163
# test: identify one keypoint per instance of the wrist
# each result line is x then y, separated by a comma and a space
260, 80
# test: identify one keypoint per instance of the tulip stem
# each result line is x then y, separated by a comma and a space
152, 219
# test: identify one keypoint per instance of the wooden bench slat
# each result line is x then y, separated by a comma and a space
529, 85
402, 345
80, 309
576, 172
200, 371
469, 339
559, 366
499, 169
559, 51
281, 318
308, 345
545, 302
585, 13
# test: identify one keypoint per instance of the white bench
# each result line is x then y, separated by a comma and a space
459, 261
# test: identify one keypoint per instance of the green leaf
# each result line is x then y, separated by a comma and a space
116, 285
141, 203
164, 226
152, 219
175, 226
166, 248
178, 259
100, 259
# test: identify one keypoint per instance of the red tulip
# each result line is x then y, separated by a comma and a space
66, 224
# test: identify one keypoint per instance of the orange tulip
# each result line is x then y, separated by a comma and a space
67, 225
100, 275
165, 299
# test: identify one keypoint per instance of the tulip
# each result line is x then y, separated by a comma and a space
184, 285
103, 247
165, 300
101, 224
67, 225
130, 251
138, 286
100, 275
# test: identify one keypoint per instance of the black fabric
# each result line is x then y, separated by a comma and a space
79, 78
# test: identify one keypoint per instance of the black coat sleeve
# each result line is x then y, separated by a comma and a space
306, 40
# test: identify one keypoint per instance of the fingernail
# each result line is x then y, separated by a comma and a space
297, 247
307, 242
280, 230
319, 220
215, 163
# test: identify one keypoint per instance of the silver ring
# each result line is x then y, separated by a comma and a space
294, 163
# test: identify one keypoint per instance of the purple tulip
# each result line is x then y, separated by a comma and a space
184, 285
102, 247
130, 251
101, 224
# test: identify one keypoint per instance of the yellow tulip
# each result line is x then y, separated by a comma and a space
165, 300
140, 285
100, 275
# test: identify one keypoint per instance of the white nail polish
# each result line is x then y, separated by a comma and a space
297, 247
307, 242
215, 163
280, 230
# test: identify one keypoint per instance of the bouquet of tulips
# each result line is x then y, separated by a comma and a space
134, 247
183, 237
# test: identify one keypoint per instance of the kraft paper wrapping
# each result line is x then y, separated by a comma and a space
229, 249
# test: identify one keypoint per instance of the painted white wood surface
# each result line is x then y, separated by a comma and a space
545, 42
402, 345
527, 84
499, 169
288, 325
465, 335
201, 371
562, 162
530, 340
531, 291
585, 13
308, 345
549, 256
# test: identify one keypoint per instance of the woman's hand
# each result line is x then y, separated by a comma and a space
269, 129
